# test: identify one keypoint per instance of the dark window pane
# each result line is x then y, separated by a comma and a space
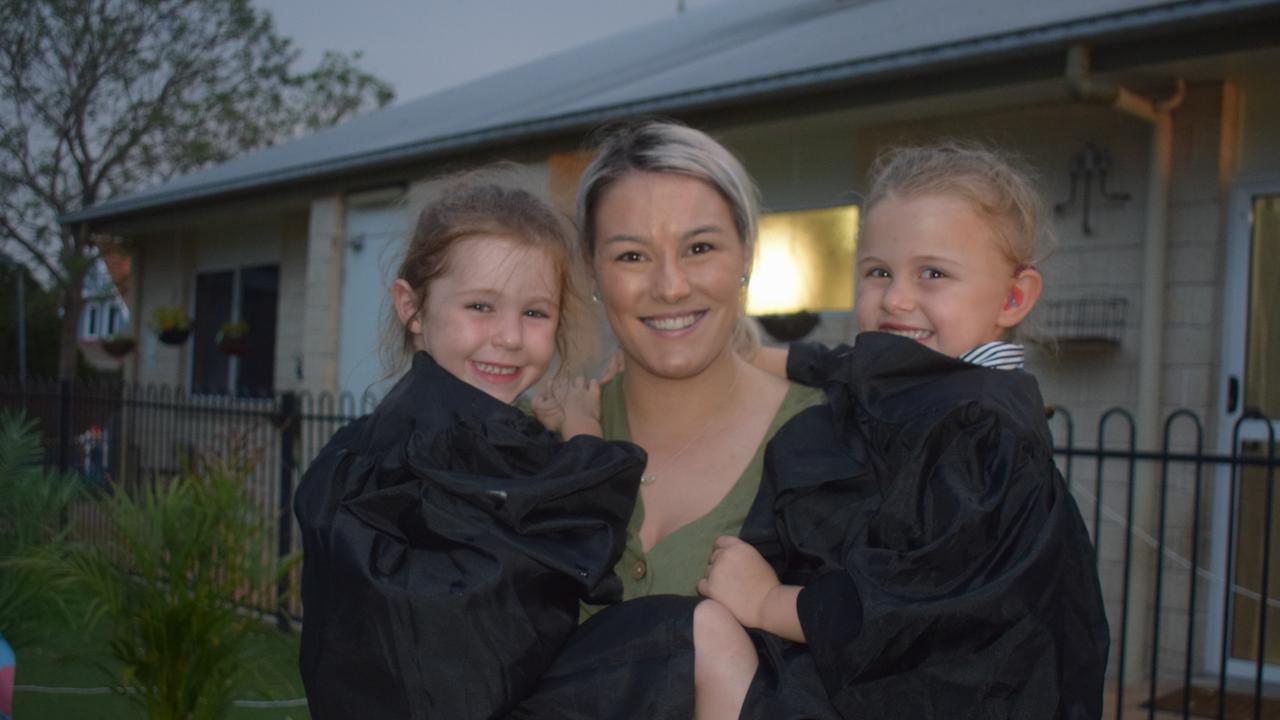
259, 291
209, 366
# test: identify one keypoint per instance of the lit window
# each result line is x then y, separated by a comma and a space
804, 261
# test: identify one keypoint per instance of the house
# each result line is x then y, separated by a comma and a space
1155, 128
103, 315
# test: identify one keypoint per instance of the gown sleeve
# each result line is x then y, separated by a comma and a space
448, 542
946, 570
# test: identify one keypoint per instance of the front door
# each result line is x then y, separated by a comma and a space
1251, 386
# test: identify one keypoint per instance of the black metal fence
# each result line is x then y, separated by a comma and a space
1187, 551
1183, 536
120, 437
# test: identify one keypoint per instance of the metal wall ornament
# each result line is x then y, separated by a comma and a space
1085, 166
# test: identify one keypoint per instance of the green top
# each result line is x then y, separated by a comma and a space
676, 563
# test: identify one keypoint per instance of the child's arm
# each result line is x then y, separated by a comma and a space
570, 407
741, 580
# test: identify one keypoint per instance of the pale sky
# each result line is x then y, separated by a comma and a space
421, 46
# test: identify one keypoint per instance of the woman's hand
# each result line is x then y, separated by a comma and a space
743, 581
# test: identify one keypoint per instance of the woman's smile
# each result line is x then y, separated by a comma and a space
674, 324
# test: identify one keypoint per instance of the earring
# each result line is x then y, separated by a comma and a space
743, 280
595, 297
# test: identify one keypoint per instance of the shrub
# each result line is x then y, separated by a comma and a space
176, 581
34, 504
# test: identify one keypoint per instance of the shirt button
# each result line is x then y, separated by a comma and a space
639, 570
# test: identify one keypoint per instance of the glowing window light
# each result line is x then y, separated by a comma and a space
804, 261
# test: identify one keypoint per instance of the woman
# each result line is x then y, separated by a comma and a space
668, 221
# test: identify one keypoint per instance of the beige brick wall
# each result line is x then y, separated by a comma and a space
163, 270
321, 309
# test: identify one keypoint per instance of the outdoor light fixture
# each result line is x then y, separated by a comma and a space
803, 264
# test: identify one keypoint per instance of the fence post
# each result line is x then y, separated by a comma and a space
290, 429
64, 425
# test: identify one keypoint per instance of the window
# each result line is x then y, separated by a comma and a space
91, 320
115, 325
804, 261
248, 295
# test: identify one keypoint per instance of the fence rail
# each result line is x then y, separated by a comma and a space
1183, 536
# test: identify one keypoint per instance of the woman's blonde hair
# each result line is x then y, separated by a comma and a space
669, 147
492, 202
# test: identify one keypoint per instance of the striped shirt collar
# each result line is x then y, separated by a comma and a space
998, 355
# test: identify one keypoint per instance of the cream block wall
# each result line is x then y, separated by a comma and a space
163, 270
320, 320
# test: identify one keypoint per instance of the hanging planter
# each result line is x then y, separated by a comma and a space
233, 338
172, 324
119, 345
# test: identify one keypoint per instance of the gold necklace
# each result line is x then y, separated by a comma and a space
651, 478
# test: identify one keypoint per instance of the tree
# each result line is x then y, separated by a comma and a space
102, 97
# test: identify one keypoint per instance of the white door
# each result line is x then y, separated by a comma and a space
1251, 387
376, 230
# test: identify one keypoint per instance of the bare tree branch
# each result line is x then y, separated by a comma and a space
99, 97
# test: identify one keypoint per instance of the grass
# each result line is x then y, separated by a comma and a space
77, 662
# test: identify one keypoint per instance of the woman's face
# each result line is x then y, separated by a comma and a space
669, 264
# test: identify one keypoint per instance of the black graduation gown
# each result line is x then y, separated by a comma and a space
946, 570
448, 539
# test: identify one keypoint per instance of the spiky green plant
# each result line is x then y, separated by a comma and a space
174, 582
34, 504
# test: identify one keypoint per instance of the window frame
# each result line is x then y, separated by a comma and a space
233, 391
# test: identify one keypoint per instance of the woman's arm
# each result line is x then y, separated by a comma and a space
772, 360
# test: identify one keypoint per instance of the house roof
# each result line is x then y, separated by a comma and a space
718, 54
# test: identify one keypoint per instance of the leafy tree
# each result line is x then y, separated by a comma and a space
101, 97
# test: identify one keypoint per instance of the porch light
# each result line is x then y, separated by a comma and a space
803, 265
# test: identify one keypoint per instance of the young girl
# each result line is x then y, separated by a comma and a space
448, 537
946, 259
950, 574
913, 545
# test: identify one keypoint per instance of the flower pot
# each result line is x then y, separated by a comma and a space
119, 347
174, 336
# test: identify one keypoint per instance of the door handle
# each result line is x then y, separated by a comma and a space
1233, 394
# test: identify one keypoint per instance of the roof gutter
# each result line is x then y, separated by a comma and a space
829, 76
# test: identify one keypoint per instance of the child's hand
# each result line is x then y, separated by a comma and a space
740, 579
570, 407
547, 408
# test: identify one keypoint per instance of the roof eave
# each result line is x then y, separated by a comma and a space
881, 67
